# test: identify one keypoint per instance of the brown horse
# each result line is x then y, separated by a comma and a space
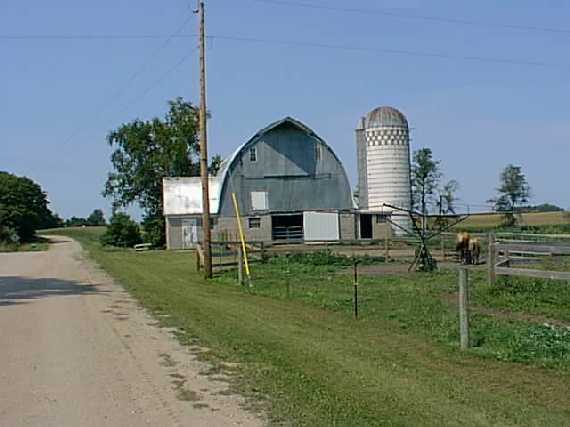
462, 248
468, 248
475, 249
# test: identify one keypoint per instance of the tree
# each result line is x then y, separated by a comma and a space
122, 232
53, 221
447, 197
148, 151
23, 207
96, 218
425, 179
75, 222
514, 192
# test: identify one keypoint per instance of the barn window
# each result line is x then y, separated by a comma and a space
259, 200
253, 154
254, 222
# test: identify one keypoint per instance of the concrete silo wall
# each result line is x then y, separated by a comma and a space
383, 148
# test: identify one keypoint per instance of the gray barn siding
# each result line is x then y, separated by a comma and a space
227, 227
174, 232
379, 230
288, 170
174, 235
347, 226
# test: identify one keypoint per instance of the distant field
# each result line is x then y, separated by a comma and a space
293, 343
527, 219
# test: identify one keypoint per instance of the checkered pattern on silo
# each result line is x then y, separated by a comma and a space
387, 136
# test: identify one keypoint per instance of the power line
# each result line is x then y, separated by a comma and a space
406, 15
294, 43
158, 81
388, 51
105, 106
88, 37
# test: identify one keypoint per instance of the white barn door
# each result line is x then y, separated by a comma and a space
321, 226
189, 233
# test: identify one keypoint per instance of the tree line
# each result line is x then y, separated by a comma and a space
96, 218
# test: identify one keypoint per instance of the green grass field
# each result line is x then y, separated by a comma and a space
301, 353
531, 219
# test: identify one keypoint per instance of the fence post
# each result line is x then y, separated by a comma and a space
355, 289
240, 265
492, 259
198, 257
263, 255
464, 308
287, 279
442, 241
387, 245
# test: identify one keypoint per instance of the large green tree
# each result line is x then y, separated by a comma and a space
146, 151
23, 208
513, 193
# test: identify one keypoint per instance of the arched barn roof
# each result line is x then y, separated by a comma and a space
225, 172
184, 195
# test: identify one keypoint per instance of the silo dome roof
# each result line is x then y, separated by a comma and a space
385, 116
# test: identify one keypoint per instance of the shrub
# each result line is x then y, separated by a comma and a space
122, 232
8, 234
154, 231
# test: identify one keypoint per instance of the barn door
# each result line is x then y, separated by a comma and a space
189, 233
321, 226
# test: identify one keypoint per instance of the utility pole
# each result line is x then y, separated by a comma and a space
206, 232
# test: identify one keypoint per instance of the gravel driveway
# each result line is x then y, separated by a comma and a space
77, 350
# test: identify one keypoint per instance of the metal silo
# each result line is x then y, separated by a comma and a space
383, 152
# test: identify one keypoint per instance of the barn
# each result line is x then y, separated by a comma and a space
289, 184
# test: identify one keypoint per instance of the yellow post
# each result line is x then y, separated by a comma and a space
242, 237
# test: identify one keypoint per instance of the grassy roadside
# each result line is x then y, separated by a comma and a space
316, 366
40, 244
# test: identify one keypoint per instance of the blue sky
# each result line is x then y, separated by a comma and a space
59, 98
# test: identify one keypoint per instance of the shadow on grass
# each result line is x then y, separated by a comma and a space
16, 290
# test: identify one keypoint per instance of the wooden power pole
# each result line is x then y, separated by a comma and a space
206, 232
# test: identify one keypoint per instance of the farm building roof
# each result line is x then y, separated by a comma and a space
184, 195
385, 116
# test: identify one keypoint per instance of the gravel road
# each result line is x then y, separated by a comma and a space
77, 350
